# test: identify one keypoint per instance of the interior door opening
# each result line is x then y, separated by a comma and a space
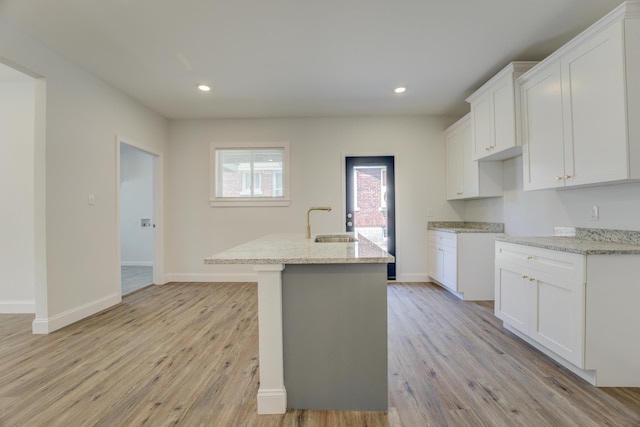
136, 218
370, 202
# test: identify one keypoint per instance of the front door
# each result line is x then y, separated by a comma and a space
370, 204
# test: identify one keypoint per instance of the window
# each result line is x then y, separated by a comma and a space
255, 174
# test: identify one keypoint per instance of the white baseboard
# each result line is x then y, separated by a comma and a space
211, 277
17, 307
50, 324
137, 263
272, 401
412, 277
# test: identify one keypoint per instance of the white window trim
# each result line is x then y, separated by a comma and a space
285, 200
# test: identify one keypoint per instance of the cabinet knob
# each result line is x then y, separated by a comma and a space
524, 276
529, 257
558, 178
567, 176
532, 279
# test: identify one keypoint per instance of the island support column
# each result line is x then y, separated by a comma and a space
272, 396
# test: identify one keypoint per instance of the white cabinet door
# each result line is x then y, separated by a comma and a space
481, 126
594, 96
450, 268
455, 163
436, 262
542, 129
558, 316
503, 118
470, 168
512, 295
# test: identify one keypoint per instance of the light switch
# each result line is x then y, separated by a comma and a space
91, 199
595, 213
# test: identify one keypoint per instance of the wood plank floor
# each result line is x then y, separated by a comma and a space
186, 354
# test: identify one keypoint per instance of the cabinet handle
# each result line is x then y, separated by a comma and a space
559, 178
459, 193
524, 276
567, 176
529, 257
487, 148
532, 279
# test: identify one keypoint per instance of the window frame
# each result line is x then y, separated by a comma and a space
284, 200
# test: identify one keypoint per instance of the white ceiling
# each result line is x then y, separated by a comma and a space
301, 58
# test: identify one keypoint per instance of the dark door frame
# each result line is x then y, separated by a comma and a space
372, 160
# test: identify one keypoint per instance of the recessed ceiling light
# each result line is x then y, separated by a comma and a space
204, 88
400, 89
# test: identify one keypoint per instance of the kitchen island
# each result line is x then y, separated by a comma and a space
322, 313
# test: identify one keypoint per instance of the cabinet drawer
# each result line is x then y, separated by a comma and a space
564, 265
442, 238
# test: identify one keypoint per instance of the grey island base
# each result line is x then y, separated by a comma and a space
335, 336
322, 313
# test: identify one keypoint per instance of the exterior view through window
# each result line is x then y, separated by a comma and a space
249, 172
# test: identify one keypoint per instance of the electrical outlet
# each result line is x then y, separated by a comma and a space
429, 212
595, 213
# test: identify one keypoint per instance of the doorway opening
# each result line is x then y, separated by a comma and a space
137, 222
370, 202
23, 269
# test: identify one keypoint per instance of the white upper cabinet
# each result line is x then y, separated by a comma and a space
543, 129
455, 173
495, 115
578, 108
467, 178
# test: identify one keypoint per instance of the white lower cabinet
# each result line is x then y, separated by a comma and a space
575, 308
442, 258
462, 263
541, 293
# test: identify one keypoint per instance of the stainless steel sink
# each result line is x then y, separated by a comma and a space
335, 238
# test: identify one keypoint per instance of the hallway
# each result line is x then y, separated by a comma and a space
135, 277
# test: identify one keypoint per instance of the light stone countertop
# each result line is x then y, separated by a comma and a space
466, 226
463, 230
296, 249
576, 246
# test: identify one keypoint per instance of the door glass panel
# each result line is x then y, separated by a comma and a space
370, 203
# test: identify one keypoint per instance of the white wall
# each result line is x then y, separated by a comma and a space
136, 202
535, 213
83, 116
197, 230
17, 237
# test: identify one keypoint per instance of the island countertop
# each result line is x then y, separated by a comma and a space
296, 249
